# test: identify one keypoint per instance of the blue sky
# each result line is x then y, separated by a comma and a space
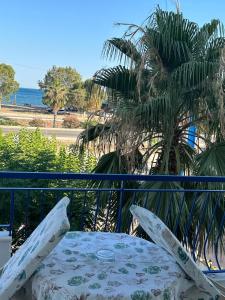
36, 34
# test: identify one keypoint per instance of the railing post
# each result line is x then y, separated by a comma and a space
11, 212
27, 203
82, 222
97, 209
119, 221
42, 213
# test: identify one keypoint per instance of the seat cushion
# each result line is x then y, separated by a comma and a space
30, 255
163, 237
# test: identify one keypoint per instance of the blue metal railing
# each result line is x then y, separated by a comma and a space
192, 207
111, 177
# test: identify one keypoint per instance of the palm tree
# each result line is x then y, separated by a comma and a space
170, 78
169, 85
56, 97
94, 95
61, 86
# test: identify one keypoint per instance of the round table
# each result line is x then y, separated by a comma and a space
139, 270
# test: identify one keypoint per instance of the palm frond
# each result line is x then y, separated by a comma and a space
166, 205
112, 163
210, 28
194, 73
214, 49
203, 36
151, 114
211, 162
91, 134
121, 49
119, 79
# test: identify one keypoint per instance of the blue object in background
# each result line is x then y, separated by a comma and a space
192, 136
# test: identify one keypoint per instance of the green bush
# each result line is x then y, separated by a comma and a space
8, 122
32, 151
71, 122
37, 123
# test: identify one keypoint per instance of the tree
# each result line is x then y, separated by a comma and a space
31, 151
94, 95
77, 98
61, 87
170, 78
76, 94
8, 84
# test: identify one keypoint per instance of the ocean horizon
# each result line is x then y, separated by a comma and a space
25, 96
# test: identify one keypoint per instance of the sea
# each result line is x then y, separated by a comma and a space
26, 97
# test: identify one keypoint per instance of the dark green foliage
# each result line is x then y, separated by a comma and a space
8, 84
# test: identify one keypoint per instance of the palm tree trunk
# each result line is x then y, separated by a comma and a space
1, 101
54, 119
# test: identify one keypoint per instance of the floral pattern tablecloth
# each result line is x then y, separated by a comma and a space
140, 270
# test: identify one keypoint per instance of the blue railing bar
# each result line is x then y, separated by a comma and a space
146, 200
69, 211
201, 220
216, 255
118, 227
27, 202
169, 208
12, 199
189, 220
96, 209
41, 206
83, 211
218, 238
208, 230
4, 225
108, 210
107, 189
179, 215
110, 177
130, 217
158, 202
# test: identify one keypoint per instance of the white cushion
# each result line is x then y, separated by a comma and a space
4, 233
30, 255
5, 246
162, 236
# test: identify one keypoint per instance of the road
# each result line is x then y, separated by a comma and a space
32, 113
24, 117
59, 133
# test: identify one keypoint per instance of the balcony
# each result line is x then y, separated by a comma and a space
100, 202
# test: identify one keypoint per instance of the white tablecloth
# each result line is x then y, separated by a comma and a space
140, 270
